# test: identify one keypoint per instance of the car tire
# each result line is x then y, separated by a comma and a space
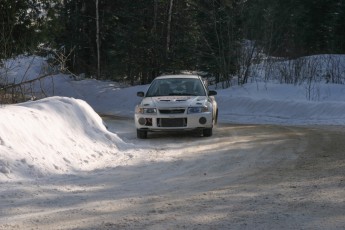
207, 132
216, 118
141, 134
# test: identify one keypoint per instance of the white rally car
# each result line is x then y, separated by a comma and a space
176, 103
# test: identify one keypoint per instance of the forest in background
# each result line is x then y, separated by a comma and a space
135, 41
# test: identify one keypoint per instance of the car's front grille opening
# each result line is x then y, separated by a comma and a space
171, 111
172, 122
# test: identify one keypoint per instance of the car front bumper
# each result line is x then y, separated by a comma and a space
164, 122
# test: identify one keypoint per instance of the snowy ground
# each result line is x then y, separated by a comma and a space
61, 168
244, 177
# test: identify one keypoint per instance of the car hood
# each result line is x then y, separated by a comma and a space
174, 101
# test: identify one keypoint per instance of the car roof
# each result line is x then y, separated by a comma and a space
178, 76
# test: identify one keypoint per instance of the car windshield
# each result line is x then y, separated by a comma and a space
176, 87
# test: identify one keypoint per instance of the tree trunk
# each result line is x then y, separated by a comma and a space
169, 25
98, 43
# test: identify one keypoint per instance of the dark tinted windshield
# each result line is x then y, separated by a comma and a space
176, 87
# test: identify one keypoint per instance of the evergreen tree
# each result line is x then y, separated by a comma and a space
133, 38
219, 23
20, 23
296, 27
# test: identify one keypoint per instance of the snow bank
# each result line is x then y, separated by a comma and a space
56, 135
264, 111
269, 103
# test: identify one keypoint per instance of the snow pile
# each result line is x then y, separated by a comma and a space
57, 135
270, 103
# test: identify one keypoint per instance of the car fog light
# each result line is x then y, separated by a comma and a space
142, 121
202, 120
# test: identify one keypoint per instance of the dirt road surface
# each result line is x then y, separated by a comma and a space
243, 177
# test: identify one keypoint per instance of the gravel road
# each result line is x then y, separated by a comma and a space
243, 177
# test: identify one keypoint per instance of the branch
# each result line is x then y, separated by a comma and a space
10, 86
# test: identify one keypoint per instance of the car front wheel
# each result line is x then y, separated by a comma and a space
141, 134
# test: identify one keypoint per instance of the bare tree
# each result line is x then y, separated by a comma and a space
247, 54
98, 42
23, 87
169, 25
27, 87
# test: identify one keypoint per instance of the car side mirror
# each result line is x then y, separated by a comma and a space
212, 93
140, 94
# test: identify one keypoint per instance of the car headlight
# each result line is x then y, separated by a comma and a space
198, 109
146, 110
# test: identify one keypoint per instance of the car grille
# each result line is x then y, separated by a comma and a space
171, 111
172, 122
